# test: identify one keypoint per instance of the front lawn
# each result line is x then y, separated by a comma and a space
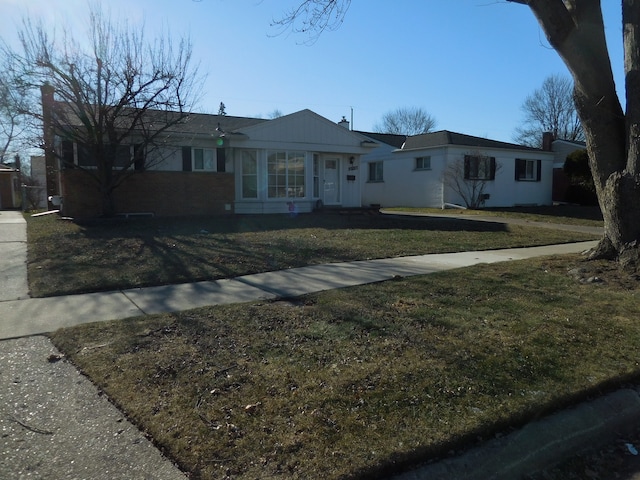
65, 257
363, 381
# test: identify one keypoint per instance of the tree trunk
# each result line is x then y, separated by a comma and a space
575, 29
108, 204
620, 204
106, 184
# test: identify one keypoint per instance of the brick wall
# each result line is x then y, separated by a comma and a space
161, 193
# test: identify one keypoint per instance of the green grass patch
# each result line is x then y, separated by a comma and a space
566, 214
363, 381
66, 257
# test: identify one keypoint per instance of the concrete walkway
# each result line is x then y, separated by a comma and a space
13, 256
55, 423
35, 316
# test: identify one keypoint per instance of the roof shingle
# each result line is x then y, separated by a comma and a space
445, 137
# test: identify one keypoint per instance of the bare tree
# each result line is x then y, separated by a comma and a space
312, 17
550, 109
575, 29
14, 103
468, 177
32, 192
276, 113
406, 121
113, 95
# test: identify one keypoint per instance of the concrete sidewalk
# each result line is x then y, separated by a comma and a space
20, 318
13, 256
56, 424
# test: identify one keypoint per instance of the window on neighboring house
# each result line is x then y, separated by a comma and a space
375, 171
423, 163
204, 160
285, 175
528, 170
249, 174
125, 156
479, 167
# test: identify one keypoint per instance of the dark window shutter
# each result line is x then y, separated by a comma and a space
67, 153
221, 155
138, 158
538, 170
492, 168
519, 167
467, 161
186, 159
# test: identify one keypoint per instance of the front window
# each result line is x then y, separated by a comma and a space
285, 175
249, 174
375, 172
204, 160
423, 163
479, 167
121, 156
527, 170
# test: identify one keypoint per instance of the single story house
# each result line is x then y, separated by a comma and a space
213, 164
423, 170
10, 197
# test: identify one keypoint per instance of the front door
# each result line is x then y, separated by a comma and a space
331, 181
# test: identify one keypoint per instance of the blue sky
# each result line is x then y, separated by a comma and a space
469, 63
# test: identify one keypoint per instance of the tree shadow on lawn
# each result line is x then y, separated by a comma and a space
112, 254
161, 226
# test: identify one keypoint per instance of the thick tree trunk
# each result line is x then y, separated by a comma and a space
108, 205
575, 29
107, 185
620, 204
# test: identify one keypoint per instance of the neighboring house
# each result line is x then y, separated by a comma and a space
213, 164
414, 174
9, 187
561, 149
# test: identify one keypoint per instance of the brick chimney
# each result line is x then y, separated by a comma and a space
547, 141
51, 165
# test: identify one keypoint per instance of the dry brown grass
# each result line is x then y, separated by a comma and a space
66, 257
359, 382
